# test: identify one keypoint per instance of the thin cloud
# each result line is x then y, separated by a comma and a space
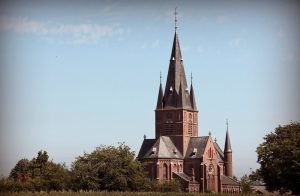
74, 33
155, 44
82, 33
22, 25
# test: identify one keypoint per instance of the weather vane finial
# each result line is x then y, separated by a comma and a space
227, 123
175, 14
160, 77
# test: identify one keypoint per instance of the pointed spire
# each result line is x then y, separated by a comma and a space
160, 97
227, 147
192, 95
176, 52
176, 75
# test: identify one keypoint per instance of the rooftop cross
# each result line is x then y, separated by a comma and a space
175, 14
227, 123
160, 76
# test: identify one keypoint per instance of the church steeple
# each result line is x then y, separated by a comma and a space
175, 115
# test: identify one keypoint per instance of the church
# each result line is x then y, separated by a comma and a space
177, 151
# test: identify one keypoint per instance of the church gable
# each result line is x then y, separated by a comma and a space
210, 152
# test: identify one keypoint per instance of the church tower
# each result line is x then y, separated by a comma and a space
176, 112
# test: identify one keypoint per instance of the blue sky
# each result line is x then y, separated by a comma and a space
78, 74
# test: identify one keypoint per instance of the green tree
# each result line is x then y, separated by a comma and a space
48, 175
279, 157
255, 176
21, 171
108, 168
38, 164
36, 175
56, 176
245, 184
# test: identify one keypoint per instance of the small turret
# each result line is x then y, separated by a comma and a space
160, 97
228, 154
192, 95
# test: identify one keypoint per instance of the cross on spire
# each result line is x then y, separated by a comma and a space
160, 77
227, 123
175, 14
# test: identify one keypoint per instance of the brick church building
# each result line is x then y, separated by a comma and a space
177, 151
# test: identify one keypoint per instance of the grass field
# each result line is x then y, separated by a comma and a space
101, 194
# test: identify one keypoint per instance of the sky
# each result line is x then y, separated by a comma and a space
78, 74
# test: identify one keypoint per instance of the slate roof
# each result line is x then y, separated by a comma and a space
146, 145
164, 148
199, 143
220, 152
226, 180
